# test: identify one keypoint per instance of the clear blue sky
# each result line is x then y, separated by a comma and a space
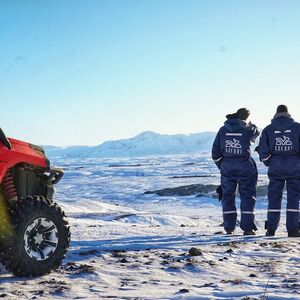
84, 71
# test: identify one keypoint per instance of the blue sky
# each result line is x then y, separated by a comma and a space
85, 71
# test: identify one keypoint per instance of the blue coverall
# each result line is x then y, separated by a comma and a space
231, 153
279, 149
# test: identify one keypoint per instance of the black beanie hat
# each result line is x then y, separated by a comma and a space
282, 109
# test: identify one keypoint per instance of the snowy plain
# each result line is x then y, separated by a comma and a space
131, 245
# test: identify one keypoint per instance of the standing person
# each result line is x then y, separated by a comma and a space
231, 153
279, 149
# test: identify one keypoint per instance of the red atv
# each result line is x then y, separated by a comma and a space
34, 234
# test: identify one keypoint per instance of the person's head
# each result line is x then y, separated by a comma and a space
243, 114
282, 109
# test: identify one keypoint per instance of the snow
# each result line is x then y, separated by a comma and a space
128, 245
146, 143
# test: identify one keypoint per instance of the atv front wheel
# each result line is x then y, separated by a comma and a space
40, 237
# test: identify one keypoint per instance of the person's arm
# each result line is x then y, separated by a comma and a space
254, 132
264, 148
216, 151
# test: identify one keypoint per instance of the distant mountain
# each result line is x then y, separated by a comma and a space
146, 143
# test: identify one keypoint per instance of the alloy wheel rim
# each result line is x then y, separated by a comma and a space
40, 239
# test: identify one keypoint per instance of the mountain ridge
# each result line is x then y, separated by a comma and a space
145, 143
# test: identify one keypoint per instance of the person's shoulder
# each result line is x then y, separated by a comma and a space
297, 125
222, 129
268, 128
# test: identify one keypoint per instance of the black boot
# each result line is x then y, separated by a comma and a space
249, 232
229, 232
294, 233
270, 232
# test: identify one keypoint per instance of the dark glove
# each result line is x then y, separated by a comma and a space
218, 165
219, 192
267, 162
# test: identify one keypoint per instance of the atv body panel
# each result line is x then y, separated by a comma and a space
21, 152
29, 167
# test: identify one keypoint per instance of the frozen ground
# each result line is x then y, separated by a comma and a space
127, 245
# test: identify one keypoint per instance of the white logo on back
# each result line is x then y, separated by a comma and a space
233, 146
283, 144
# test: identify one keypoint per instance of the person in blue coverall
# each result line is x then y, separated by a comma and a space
232, 155
279, 149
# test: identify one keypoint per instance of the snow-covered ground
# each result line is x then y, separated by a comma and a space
128, 245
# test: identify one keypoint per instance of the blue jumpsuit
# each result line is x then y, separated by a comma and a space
231, 153
279, 149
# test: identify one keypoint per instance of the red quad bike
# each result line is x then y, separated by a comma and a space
34, 234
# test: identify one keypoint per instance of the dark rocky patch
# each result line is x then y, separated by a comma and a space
191, 176
183, 291
186, 190
118, 253
233, 244
59, 290
211, 284
277, 245
195, 252
117, 218
199, 190
233, 281
189, 164
218, 232
129, 165
124, 166
74, 268
89, 252
53, 281
124, 260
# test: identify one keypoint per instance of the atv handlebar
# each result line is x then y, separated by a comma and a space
55, 176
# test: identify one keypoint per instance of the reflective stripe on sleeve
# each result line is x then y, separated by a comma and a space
229, 212
218, 159
265, 159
